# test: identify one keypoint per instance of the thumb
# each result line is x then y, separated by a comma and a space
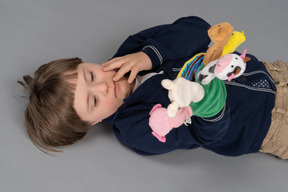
167, 84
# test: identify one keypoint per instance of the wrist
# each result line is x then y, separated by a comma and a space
153, 54
146, 59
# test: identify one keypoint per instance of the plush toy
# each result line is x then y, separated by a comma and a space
161, 124
234, 41
163, 120
219, 35
183, 92
228, 67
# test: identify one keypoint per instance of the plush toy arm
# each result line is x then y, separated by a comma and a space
172, 109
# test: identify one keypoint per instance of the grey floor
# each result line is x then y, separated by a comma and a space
35, 32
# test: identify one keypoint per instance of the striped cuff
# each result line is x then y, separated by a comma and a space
153, 54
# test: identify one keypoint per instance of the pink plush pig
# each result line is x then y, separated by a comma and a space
161, 124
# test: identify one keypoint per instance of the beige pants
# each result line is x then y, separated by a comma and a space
276, 141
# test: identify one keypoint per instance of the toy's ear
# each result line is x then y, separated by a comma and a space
228, 27
223, 35
157, 106
246, 59
220, 31
167, 84
220, 36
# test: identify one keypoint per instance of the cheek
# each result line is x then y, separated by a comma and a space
127, 88
110, 106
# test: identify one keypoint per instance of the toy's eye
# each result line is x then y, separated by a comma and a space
236, 58
232, 66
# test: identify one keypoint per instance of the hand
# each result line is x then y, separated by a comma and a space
134, 62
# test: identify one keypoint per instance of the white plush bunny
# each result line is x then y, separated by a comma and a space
181, 93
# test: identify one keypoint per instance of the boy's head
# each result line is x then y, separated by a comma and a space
67, 97
50, 118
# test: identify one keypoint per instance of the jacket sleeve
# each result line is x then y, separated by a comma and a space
202, 132
186, 36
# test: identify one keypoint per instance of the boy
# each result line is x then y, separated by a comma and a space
68, 96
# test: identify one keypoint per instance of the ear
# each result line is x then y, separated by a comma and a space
167, 84
222, 38
247, 59
95, 122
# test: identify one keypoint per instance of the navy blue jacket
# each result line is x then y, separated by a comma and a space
238, 129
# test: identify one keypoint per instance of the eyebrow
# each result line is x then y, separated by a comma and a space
88, 94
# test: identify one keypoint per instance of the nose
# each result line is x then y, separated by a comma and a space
100, 87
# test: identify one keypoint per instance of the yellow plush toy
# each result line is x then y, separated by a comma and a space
234, 41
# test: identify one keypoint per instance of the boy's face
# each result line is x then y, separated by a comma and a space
97, 96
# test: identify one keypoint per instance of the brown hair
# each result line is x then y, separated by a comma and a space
50, 118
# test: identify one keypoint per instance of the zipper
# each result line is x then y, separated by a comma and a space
248, 87
253, 88
256, 72
176, 69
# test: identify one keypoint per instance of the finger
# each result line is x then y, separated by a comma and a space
115, 64
121, 72
132, 75
167, 84
111, 61
111, 64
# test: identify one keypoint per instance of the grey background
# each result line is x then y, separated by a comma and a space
34, 32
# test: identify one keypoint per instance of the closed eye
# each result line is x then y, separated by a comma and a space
95, 101
92, 76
